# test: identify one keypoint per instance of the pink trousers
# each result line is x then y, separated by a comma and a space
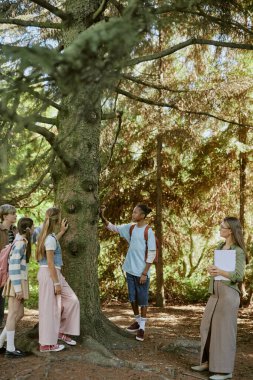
57, 314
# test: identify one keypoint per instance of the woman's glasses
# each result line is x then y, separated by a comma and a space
224, 227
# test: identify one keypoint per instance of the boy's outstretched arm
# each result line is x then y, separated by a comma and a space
109, 225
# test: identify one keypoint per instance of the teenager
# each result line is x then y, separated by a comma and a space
219, 322
8, 218
59, 309
136, 264
16, 287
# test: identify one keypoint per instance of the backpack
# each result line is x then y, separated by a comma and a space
146, 239
4, 266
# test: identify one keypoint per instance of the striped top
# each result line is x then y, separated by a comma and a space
11, 236
17, 263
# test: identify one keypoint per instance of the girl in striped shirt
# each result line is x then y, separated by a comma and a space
16, 288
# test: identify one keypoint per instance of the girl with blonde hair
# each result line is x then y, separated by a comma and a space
59, 310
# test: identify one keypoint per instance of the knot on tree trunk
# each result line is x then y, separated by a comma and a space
71, 206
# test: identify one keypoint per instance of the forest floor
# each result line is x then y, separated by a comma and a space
170, 347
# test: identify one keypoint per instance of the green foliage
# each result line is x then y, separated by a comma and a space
32, 302
186, 290
112, 280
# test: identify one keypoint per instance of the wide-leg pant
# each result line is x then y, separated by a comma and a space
57, 313
219, 328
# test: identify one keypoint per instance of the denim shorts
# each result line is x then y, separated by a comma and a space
137, 292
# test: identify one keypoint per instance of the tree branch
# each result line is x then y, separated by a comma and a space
153, 85
100, 9
175, 107
119, 115
221, 21
46, 197
182, 45
68, 162
37, 95
51, 8
167, 9
108, 116
35, 24
45, 120
32, 189
10, 115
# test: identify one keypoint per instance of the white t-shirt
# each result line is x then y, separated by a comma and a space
50, 243
135, 259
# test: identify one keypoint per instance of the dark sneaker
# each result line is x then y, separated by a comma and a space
14, 354
140, 335
2, 350
134, 327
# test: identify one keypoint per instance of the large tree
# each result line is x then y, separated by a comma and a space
63, 66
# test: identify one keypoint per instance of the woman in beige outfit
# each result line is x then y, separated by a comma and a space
219, 323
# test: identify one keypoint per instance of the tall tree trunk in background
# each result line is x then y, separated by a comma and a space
160, 301
158, 223
242, 166
243, 131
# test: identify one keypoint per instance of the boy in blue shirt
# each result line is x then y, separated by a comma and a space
136, 264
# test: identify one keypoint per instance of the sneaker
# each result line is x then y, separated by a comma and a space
134, 327
14, 354
53, 348
200, 368
67, 339
221, 377
140, 335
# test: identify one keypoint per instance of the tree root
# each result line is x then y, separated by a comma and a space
112, 336
93, 353
182, 344
100, 355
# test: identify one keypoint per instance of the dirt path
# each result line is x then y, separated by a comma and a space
166, 327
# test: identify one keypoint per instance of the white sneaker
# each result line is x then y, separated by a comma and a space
221, 377
67, 339
200, 368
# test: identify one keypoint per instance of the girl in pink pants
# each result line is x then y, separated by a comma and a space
59, 309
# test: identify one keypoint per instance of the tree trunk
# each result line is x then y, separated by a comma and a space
77, 187
243, 131
159, 233
159, 195
242, 166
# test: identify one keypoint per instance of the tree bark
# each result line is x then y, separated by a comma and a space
159, 232
242, 167
77, 187
243, 159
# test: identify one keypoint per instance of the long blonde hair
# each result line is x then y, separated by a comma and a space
53, 216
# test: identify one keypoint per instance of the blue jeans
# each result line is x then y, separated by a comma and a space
137, 292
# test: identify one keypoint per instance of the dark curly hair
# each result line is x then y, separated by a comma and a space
144, 208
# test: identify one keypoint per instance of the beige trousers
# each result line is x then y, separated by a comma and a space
219, 328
